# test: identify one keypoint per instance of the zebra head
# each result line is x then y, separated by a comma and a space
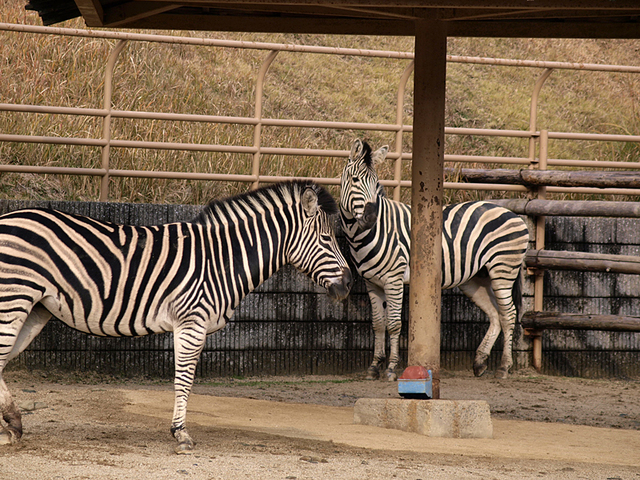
359, 187
314, 249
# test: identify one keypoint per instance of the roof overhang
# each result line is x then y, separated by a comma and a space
475, 18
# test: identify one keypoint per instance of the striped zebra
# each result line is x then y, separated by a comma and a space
186, 278
483, 247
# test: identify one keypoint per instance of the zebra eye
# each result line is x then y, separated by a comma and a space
355, 179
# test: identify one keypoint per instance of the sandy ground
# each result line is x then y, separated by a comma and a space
301, 428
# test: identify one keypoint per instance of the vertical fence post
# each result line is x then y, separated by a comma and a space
257, 131
397, 177
106, 122
533, 113
538, 285
540, 193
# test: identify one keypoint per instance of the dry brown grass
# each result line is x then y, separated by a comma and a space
47, 70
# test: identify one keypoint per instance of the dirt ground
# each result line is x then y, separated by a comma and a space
99, 427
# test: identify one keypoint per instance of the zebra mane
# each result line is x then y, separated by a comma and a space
366, 154
368, 161
264, 196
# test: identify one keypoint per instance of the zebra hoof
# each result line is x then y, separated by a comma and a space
8, 437
392, 376
184, 449
502, 373
479, 369
185, 442
373, 373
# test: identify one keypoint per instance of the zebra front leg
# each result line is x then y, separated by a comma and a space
394, 293
188, 344
377, 298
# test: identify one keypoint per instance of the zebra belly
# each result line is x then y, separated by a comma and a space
451, 283
111, 325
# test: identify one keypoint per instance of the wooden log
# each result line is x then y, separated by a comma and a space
480, 175
571, 208
582, 261
563, 178
577, 321
555, 178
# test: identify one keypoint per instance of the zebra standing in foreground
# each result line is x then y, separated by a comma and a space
186, 278
483, 247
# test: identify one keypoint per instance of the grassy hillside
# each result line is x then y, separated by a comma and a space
66, 71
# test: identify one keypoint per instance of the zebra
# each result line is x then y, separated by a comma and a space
483, 248
187, 278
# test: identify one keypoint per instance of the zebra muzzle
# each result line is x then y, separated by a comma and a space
339, 289
369, 216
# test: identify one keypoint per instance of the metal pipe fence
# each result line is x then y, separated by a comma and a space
257, 150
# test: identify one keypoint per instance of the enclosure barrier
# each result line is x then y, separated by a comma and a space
571, 208
538, 260
534, 323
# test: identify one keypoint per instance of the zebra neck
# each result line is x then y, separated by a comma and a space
249, 246
354, 233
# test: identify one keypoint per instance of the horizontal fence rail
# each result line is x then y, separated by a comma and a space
537, 139
563, 321
582, 261
571, 208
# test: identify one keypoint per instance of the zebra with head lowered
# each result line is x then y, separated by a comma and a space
186, 278
483, 247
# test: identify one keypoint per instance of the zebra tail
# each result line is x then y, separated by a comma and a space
516, 295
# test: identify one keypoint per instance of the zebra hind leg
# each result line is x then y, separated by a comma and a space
12, 432
478, 289
508, 315
15, 336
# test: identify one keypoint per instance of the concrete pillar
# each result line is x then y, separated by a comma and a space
426, 198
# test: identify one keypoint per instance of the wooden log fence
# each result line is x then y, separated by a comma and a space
577, 321
539, 259
582, 261
548, 178
534, 324
571, 208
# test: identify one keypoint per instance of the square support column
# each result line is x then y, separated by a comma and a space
427, 197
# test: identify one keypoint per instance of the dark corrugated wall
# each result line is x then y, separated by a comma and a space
289, 326
592, 353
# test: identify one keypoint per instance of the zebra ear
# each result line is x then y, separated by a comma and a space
310, 202
356, 150
380, 154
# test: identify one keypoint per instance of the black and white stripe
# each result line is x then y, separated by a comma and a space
117, 280
483, 248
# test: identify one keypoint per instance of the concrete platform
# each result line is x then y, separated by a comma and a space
433, 418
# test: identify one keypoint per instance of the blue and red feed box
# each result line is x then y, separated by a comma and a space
416, 383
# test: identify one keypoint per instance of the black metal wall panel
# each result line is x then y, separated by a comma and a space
289, 326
